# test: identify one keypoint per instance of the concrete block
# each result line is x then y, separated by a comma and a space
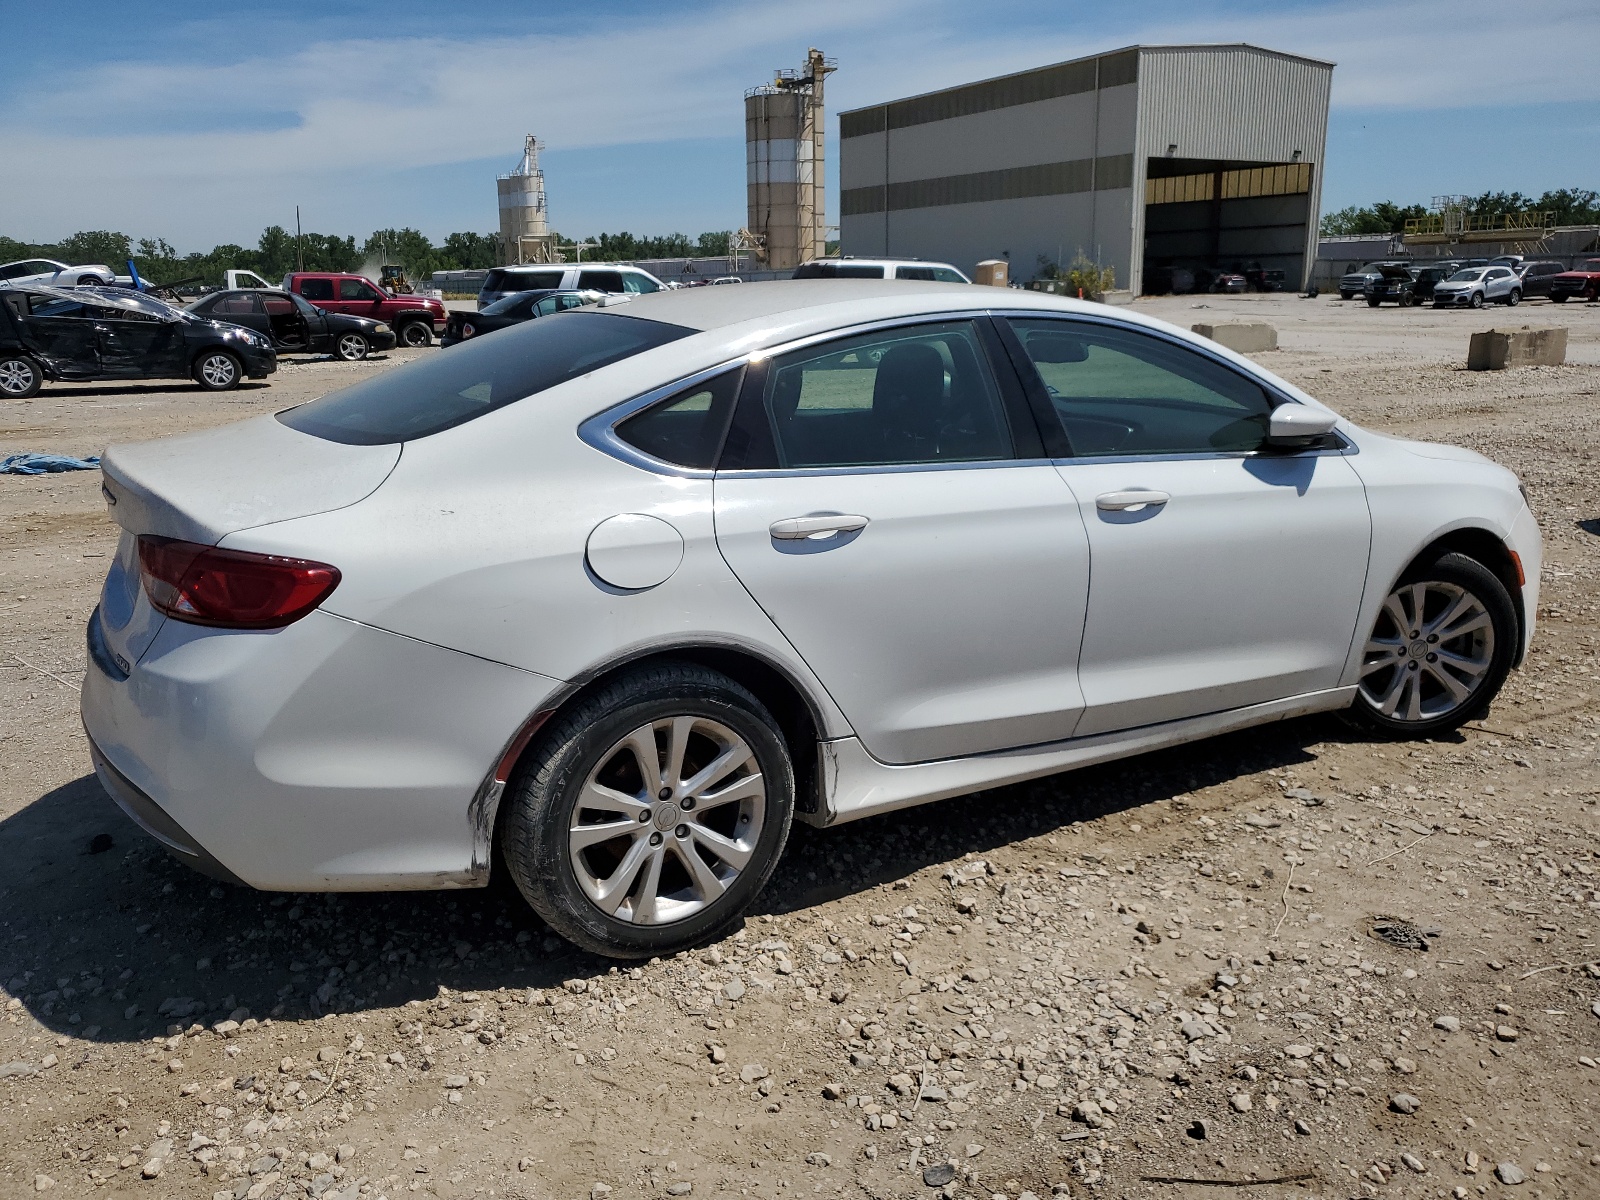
1497, 349
1244, 337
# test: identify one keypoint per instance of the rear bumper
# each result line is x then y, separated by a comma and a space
150, 817
326, 756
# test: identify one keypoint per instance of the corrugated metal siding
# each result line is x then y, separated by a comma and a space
1027, 87
1233, 103
1014, 183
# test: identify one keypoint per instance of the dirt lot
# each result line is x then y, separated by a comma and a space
1166, 969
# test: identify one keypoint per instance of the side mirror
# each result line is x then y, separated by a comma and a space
1297, 426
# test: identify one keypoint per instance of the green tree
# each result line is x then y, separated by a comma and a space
95, 246
1375, 219
714, 244
472, 251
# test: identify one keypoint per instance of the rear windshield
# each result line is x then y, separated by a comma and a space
521, 281
506, 304
446, 390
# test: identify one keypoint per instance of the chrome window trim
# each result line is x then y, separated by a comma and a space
599, 430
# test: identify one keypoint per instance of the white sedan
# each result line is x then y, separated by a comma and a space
29, 271
623, 592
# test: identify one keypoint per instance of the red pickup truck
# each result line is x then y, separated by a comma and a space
1582, 282
415, 319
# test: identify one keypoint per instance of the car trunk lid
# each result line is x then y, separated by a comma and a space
201, 487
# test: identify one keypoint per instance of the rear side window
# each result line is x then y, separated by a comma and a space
925, 274
830, 270
478, 377
317, 289
238, 304
641, 284
687, 429
521, 281
919, 394
600, 281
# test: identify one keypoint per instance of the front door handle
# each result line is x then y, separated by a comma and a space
824, 526
1133, 498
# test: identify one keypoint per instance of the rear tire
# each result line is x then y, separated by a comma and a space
676, 860
217, 371
416, 334
1514, 298
352, 347
1439, 651
20, 377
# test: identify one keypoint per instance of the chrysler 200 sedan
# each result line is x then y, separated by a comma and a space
623, 592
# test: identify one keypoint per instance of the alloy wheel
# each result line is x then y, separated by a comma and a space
667, 821
1430, 652
352, 347
218, 371
18, 377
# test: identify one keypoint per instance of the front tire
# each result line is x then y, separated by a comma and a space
1558, 298
20, 377
352, 347
1373, 302
1439, 651
1476, 301
217, 371
416, 334
647, 819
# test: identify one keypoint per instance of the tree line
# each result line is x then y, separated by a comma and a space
1571, 206
278, 252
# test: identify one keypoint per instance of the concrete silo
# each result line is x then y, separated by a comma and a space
524, 217
783, 131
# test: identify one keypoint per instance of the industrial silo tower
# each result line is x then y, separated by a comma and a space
524, 218
783, 131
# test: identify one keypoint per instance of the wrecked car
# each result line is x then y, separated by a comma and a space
95, 333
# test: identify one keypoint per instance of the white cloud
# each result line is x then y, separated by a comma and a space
365, 107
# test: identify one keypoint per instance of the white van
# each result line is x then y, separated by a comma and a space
879, 268
571, 277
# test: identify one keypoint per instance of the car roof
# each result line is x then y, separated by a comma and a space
803, 304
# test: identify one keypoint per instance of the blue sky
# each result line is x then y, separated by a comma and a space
202, 125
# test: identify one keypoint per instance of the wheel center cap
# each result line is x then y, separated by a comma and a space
667, 816
1418, 649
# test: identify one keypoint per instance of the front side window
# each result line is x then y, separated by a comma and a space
434, 394
1123, 392
317, 289
686, 429
639, 284
357, 289
919, 394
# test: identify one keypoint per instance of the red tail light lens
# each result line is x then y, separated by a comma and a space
234, 589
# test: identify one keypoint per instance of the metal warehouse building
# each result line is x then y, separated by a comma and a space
1148, 159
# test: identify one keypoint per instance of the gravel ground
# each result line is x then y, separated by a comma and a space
1336, 966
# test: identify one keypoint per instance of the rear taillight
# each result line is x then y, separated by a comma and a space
236, 589
468, 330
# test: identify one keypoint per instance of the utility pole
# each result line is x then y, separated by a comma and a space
299, 255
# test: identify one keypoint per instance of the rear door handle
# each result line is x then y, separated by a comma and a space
1131, 499
823, 526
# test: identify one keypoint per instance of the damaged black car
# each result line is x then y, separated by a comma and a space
103, 333
296, 326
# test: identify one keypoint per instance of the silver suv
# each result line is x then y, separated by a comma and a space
1473, 287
